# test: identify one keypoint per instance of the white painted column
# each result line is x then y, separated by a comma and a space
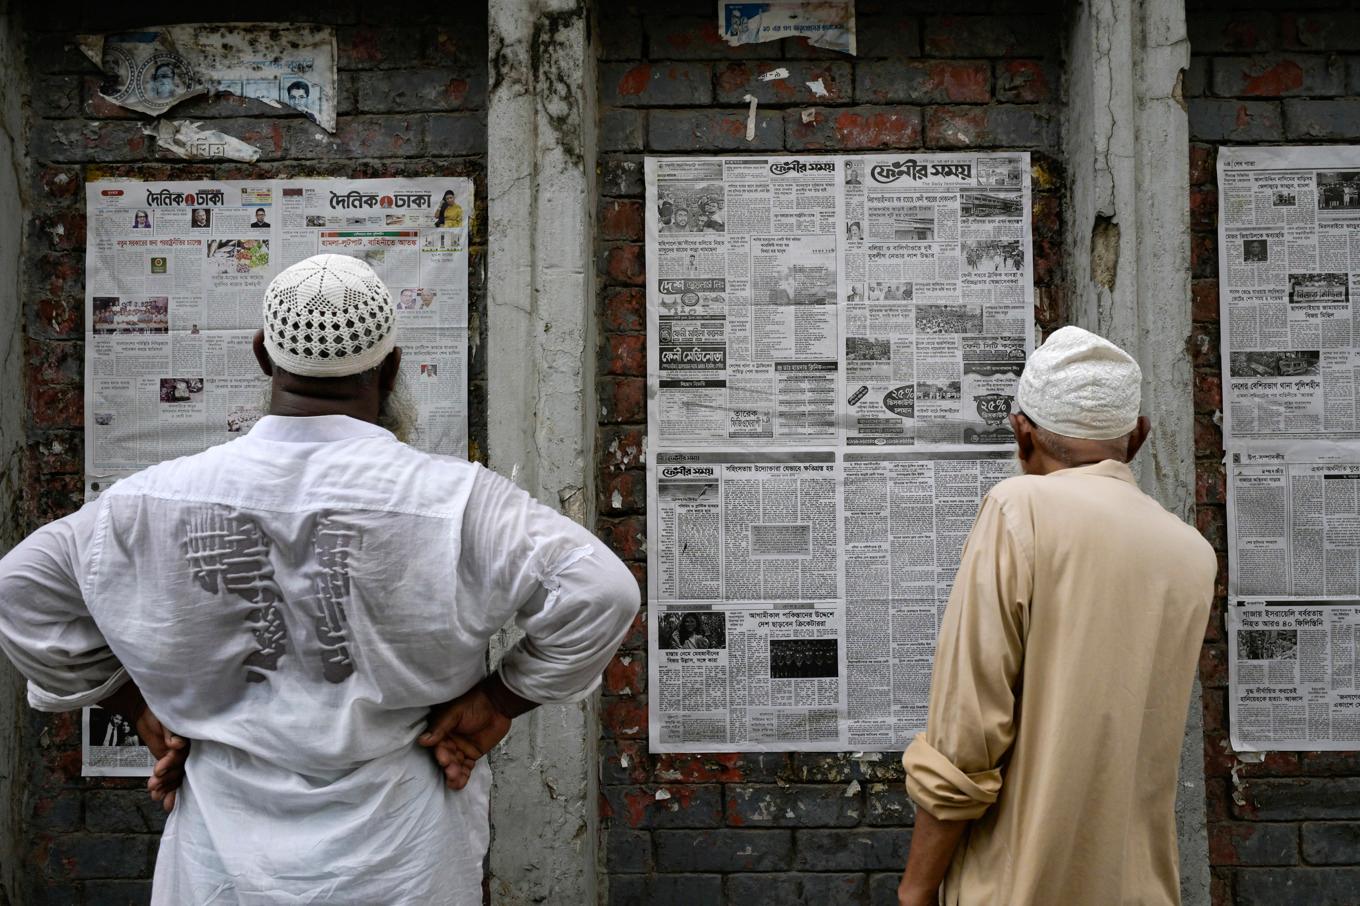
541, 406
1127, 254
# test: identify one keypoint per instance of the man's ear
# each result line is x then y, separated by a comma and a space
1137, 436
1024, 435
387, 375
262, 354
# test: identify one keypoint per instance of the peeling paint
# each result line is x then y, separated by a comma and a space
1105, 252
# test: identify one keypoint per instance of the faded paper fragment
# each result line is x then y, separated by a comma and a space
192, 142
151, 70
824, 23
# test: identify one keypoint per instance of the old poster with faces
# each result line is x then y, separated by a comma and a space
833, 348
175, 281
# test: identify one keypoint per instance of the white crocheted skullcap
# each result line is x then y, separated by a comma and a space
328, 316
1079, 384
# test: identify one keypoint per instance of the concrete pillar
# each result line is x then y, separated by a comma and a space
541, 405
13, 709
1127, 238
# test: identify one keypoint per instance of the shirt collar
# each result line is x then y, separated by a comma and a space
314, 428
1108, 468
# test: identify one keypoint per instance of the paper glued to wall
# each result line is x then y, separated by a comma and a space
833, 348
175, 280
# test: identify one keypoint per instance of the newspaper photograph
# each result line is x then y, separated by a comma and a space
110, 746
1294, 520
1292, 675
1289, 258
175, 280
798, 594
152, 69
859, 300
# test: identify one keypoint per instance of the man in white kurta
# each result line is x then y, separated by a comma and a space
295, 602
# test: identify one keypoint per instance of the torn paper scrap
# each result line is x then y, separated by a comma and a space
824, 23
151, 70
809, 115
818, 88
193, 142
773, 74
751, 118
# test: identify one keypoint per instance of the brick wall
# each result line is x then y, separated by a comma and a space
1285, 830
775, 828
412, 101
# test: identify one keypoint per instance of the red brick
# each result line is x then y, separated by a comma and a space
1204, 254
625, 354
1022, 81
1046, 217
626, 265
706, 768
924, 82
995, 125
636, 637
1048, 305
1329, 764
627, 537
1203, 346
54, 362
1204, 300
60, 317
624, 717
1210, 485
1212, 524
622, 448
1203, 209
1202, 163
625, 310
59, 453
1208, 436
623, 400
626, 675
621, 219
56, 406
623, 493
854, 128
1208, 392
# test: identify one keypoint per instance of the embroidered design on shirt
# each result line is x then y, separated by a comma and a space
333, 543
232, 553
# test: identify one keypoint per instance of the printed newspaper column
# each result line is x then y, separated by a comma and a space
800, 311
175, 279
1289, 252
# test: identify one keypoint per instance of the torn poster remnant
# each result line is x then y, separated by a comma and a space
151, 70
192, 142
825, 23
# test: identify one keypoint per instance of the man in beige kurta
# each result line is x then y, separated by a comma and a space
1047, 772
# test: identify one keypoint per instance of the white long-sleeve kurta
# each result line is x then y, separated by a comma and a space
294, 602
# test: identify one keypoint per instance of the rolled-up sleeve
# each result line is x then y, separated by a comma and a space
572, 597
45, 627
954, 768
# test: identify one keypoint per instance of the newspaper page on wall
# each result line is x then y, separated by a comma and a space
1289, 271
833, 347
175, 280
1293, 675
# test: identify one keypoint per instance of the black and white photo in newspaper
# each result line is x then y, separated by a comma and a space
110, 746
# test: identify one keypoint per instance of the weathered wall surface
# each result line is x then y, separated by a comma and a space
1286, 830
776, 828
13, 88
412, 87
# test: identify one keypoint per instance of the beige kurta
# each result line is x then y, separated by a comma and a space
1059, 697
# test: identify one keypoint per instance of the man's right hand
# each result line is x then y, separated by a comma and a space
462, 731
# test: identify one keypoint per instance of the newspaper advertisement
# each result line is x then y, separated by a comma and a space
1289, 268
152, 69
825, 23
1292, 675
1294, 521
833, 348
175, 280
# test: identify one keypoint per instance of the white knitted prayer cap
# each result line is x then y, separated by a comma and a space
1079, 384
328, 316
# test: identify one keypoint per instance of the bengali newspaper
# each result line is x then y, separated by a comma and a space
175, 280
1292, 674
833, 347
1289, 260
